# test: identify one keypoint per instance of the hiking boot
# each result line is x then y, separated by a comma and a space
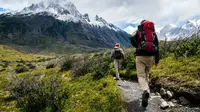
145, 97
116, 78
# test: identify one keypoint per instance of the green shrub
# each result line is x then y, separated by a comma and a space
34, 93
30, 66
19, 65
101, 68
128, 62
83, 67
21, 61
91, 95
6, 63
67, 65
181, 48
42, 60
98, 66
21, 69
50, 66
1, 70
185, 70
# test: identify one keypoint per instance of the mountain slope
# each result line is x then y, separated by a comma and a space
9, 54
42, 26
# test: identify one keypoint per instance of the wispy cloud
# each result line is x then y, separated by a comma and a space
160, 11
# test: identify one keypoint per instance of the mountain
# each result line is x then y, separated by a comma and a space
186, 30
171, 31
58, 25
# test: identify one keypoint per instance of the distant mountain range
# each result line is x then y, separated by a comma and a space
172, 31
49, 25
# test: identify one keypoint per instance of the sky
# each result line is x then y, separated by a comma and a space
124, 12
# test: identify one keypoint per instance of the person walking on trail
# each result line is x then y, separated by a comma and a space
145, 41
117, 55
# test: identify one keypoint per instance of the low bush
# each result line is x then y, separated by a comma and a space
83, 67
21, 61
30, 66
67, 65
21, 69
50, 66
35, 93
6, 63
129, 62
184, 70
101, 67
89, 95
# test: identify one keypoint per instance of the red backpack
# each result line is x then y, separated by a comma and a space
147, 36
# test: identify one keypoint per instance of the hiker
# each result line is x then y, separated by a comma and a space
145, 41
117, 55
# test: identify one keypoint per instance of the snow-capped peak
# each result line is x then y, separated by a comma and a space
191, 24
99, 21
66, 11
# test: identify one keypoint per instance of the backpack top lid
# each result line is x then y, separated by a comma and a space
148, 25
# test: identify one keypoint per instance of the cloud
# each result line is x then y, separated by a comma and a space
160, 11
126, 11
130, 29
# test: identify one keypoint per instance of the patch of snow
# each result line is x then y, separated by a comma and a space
130, 29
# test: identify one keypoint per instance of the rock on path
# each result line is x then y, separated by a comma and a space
132, 99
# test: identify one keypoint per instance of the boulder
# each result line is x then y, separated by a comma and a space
183, 101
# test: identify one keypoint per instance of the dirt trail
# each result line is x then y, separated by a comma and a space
132, 98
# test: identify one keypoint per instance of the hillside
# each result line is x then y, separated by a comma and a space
37, 28
70, 83
85, 81
9, 54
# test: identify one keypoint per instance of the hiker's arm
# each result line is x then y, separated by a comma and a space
157, 53
134, 39
112, 54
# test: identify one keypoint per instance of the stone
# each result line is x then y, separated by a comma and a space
169, 94
164, 104
157, 94
163, 93
184, 101
171, 104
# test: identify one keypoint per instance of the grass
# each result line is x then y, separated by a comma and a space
9, 54
84, 93
6, 105
91, 95
94, 89
182, 72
